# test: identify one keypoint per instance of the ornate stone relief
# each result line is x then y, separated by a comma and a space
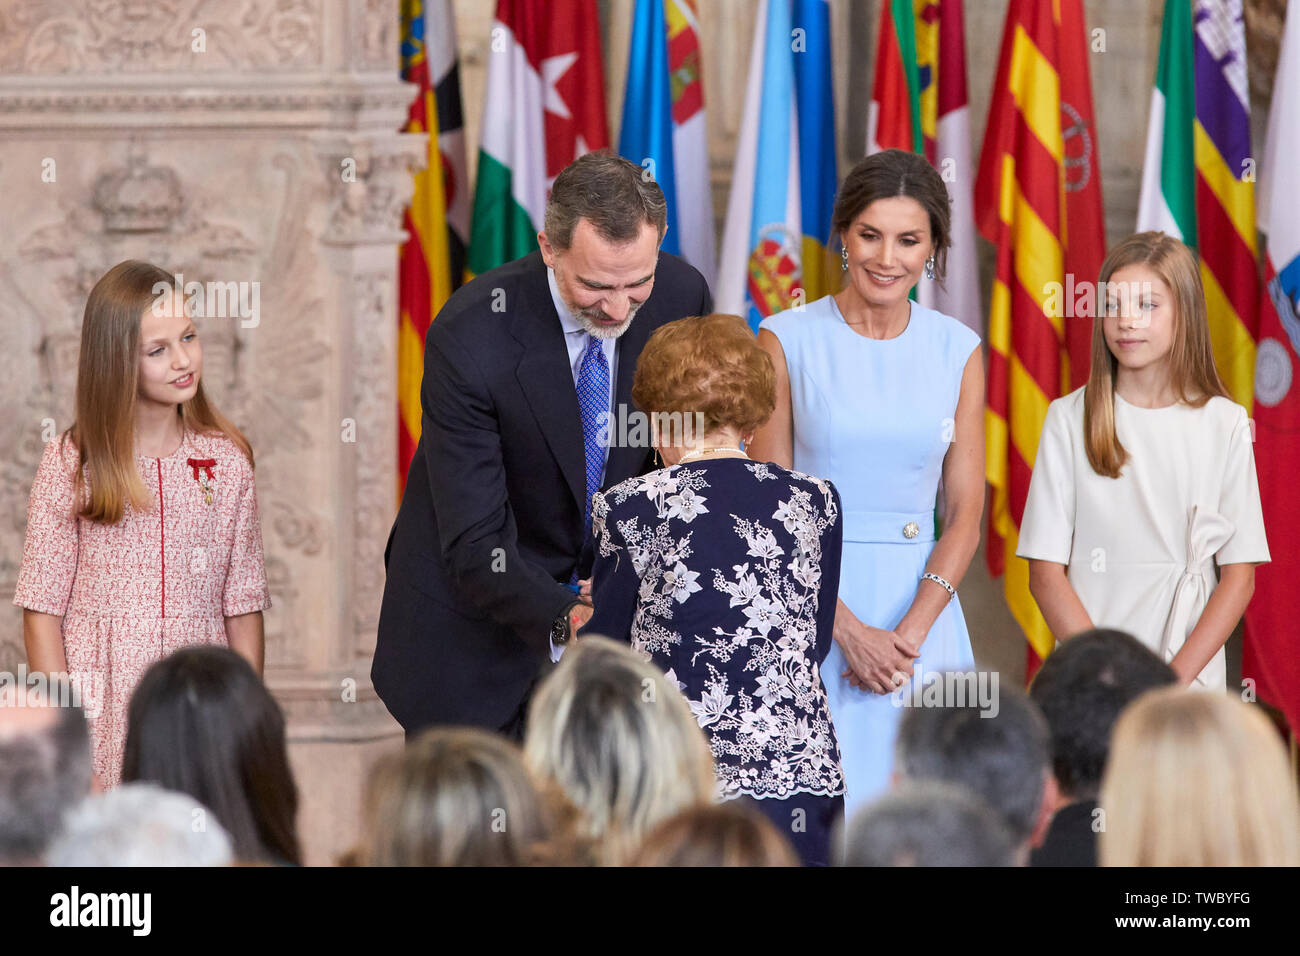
373, 396
370, 185
41, 37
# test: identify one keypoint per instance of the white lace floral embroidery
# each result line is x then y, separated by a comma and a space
770, 733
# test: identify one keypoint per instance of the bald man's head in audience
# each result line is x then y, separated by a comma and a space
45, 769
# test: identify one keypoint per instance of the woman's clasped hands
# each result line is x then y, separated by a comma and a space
880, 660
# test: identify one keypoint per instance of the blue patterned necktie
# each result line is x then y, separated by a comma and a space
593, 402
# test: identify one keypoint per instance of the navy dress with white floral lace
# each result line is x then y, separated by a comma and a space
724, 572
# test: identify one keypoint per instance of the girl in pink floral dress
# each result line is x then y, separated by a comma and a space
142, 527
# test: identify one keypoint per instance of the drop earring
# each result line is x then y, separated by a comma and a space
929, 268
844, 260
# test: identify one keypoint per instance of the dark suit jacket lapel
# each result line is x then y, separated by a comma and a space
546, 378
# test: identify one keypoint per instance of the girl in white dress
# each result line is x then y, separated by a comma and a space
1144, 479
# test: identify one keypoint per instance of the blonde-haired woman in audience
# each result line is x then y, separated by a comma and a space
617, 738
730, 834
1198, 780
454, 797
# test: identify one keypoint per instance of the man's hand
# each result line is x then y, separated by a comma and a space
584, 591
579, 615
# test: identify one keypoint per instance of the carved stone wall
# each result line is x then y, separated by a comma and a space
257, 142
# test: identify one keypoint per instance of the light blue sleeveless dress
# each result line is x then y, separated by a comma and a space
876, 418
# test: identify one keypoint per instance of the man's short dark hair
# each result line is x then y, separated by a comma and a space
1002, 757
44, 772
929, 823
615, 195
1081, 689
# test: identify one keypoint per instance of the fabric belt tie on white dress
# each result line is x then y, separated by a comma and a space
1207, 532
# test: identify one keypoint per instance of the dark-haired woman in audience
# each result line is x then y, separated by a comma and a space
724, 572
201, 722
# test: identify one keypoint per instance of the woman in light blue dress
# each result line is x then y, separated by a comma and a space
885, 398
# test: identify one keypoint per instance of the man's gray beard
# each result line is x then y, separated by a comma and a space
597, 331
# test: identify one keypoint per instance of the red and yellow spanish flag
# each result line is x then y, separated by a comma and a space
431, 264
1038, 198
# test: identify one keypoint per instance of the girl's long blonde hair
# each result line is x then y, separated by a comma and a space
1196, 778
107, 390
1194, 377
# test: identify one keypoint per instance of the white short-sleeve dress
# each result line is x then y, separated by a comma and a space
1141, 549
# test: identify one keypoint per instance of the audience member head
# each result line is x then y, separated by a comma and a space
999, 753
201, 722
1197, 779
709, 366
930, 823
728, 834
139, 824
1081, 689
453, 797
45, 767
619, 741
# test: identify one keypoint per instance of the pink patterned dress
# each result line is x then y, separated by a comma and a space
134, 592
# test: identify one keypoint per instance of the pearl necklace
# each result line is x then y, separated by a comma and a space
701, 452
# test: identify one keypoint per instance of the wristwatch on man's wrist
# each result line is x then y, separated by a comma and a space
560, 626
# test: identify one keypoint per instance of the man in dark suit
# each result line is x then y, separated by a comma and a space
492, 539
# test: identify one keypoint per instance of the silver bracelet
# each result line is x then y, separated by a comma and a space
931, 576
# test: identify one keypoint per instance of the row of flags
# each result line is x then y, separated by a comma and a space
1035, 194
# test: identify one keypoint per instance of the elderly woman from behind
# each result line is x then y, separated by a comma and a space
723, 571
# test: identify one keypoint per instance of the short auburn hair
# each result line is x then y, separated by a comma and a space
707, 364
